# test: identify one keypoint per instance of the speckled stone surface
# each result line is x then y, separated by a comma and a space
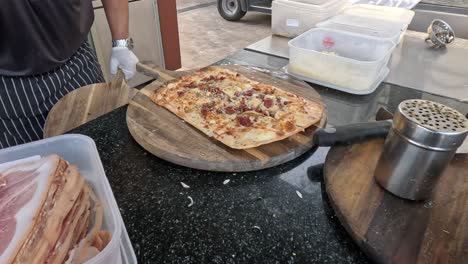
257, 217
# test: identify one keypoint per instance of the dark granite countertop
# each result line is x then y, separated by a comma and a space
255, 218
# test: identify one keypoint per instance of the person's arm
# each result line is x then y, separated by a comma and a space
121, 57
117, 17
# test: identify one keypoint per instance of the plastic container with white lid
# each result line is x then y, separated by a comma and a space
407, 4
325, 6
340, 58
290, 19
81, 151
388, 13
366, 26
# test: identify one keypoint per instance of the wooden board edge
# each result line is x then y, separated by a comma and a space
357, 238
326, 170
150, 88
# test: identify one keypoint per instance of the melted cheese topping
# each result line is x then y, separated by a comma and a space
259, 135
225, 102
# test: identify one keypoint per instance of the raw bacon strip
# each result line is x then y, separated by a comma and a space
69, 231
85, 219
9, 210
85, 250
102, 239
21, 203
59, 214
14, 181
37, 251
38, 231
7, 232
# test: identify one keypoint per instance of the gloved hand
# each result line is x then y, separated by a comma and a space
124, 59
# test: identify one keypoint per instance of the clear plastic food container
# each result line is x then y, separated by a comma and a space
407, 4
375, 84
371, 27
81, 151
339, 58
320, 3
388, 13
290, 19
319, 6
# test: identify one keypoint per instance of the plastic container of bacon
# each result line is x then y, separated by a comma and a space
56, 205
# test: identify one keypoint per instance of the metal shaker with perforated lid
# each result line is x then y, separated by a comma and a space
420, 145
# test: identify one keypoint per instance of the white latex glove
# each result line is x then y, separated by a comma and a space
124, 59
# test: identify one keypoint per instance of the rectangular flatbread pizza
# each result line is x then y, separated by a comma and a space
237, 111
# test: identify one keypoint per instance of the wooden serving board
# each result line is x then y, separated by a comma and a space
87, 103
165, 135
393, 230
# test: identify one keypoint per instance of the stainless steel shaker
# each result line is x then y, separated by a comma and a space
420, 145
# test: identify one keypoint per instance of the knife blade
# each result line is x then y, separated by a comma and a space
384, 114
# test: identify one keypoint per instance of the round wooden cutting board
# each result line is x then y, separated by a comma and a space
393, 230
168, 137
87, 103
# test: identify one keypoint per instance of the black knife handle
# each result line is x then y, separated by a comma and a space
353, 133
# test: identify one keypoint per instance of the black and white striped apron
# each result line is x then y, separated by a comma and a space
25, 101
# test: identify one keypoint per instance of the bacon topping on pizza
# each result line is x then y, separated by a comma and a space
237, 111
